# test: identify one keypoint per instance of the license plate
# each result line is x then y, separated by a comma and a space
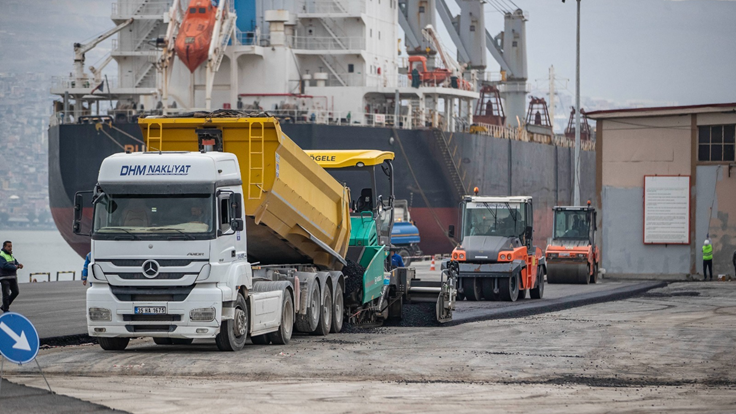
150, 310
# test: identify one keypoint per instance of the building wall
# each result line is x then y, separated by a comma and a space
631, 149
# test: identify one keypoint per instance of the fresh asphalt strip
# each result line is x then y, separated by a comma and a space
529, 307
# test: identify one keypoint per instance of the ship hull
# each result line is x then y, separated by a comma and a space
496, 166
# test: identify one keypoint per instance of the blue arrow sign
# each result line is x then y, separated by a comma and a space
18, 338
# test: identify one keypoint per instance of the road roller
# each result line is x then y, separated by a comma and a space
572, 254
496, 258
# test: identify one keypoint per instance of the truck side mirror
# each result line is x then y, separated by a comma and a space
451, 231
237, 224
235, 206
78, 208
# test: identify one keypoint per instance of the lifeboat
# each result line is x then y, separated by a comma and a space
195, 33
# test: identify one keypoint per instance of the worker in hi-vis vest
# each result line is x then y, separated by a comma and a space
707, 260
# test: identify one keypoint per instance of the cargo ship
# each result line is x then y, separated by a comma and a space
331, 71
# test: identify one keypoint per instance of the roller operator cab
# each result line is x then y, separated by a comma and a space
496, 258
572, 253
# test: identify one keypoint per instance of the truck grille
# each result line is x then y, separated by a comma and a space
161, 262
151, 294
152, 318
150, 328
132, 276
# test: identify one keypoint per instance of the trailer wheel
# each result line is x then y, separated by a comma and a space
283, 335
471, 288
325, 313
234, 332
260, 339
338, 310
113, 344
487, 286
308, 323
510, 288
538, 291
594, 276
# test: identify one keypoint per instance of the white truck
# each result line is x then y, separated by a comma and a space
171, 256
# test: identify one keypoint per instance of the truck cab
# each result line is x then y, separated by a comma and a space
496, 258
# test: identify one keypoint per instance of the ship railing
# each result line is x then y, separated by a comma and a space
327, 43
130, 8
350, 7
350, 79
70, 82
521, 134
325, 117
253, 38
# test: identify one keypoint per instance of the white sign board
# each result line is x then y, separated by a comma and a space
380, 118
666, 210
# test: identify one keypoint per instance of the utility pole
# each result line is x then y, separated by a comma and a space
577, 116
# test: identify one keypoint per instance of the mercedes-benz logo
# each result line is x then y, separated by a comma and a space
150, 269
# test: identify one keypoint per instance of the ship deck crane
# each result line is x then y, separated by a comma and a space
81, 49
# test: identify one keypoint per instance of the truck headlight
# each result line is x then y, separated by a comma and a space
202, 314
100, 314
98, 274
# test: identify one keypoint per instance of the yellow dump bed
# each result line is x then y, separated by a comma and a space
295, 211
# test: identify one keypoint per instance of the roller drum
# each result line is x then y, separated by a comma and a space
571, 273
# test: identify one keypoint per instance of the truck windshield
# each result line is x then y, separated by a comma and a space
571, 224
151, 214
494, 219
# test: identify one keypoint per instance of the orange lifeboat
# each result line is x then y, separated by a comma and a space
195, 33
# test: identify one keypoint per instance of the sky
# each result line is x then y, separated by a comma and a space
633, 52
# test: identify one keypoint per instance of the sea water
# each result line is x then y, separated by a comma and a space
42, 251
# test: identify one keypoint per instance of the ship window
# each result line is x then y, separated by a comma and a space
371, 32
202, 10
421, 9
189, 40
192, 10
351, 68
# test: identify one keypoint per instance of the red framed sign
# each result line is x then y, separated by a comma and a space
667, 209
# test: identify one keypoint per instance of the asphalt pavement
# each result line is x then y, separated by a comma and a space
56, 309
17, 398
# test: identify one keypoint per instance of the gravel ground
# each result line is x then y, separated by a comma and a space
668, 350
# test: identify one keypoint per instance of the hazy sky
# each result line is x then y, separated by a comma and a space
658, 51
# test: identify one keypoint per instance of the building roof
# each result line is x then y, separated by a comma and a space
663, 111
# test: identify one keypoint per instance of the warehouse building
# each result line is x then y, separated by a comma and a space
666, 180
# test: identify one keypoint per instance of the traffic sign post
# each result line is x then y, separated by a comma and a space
19, 341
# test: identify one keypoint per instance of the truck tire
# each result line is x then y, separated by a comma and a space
234, 332
471, 288
538, 291
283, 335
113, 344
522, 293
405, 256
487, 286
308, 323
509, 288
396, 309
594, 276
338, 310
325, 313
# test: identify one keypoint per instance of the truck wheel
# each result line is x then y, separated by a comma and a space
405, 256
538, 290
325, 313
283, 335
260, 339
113, 344
338, 310
471, 288
509, 288
234, 332
308, 323
396, 309
487, 286
522, 294
594, 276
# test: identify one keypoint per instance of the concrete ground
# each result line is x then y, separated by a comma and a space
671, 349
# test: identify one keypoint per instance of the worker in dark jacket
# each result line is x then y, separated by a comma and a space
396, 260
8, 275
